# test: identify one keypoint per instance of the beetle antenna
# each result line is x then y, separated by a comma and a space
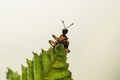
63, 24
70, 25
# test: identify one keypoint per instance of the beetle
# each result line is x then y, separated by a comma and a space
62, 39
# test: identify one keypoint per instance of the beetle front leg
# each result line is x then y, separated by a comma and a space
56, 38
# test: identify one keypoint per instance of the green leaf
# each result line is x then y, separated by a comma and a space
51, 54
12, 75
30, 70
46, 62
49, 65
37, 67
58, 74
24, 73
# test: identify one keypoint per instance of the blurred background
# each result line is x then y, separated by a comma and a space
27, 25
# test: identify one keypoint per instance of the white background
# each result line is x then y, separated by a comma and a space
27, 25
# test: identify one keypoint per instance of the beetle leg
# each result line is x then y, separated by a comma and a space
67, 43
52, 43
67, 50
56, 38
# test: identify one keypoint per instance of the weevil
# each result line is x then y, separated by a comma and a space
62, 39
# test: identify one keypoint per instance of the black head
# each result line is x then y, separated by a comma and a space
64, 31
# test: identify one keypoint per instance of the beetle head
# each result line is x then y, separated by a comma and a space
65, 30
